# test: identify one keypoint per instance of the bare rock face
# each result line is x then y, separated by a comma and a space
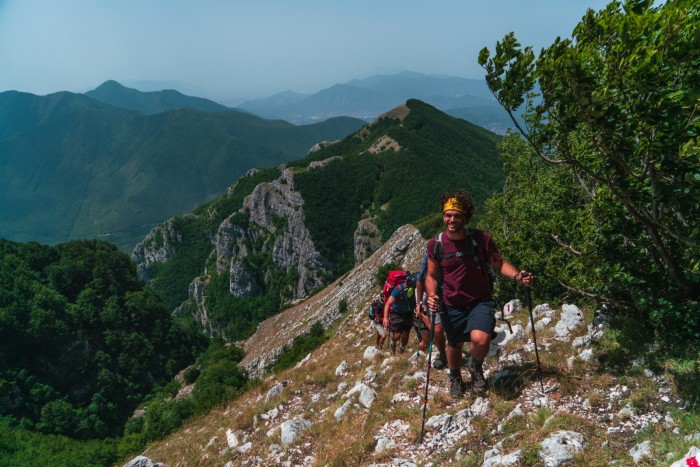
276, 222
157, 247
404, 248
201, 314
367, 240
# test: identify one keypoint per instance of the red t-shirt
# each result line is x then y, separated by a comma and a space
464, 283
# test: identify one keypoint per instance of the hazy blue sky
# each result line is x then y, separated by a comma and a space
226, 49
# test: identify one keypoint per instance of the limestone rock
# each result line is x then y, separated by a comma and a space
560, 447
142, 461
571, 318
291, 429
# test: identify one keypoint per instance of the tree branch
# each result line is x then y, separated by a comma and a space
586, 293
564, 245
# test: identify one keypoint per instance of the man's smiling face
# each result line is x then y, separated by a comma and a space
454, 220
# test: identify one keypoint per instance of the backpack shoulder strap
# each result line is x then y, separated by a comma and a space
489, 272
470, 251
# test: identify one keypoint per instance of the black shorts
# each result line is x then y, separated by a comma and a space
459, 322
400, 322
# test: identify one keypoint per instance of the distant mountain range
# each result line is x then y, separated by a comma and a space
115, 162
366, 98
469, 99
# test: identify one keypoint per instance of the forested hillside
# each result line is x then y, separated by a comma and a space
82, 340
73, 167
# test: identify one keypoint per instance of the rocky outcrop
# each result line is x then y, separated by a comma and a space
275, 221
366, 240
270, 225
157, 247
404, 248
318, 146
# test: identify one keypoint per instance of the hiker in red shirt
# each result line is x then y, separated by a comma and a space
458, 286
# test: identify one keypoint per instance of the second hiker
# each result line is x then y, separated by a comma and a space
458, 279
398, 313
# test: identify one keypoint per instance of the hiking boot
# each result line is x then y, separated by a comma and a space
456, 387
440, 362
476, 371
393, 347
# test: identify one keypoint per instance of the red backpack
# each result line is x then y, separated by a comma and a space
393, 279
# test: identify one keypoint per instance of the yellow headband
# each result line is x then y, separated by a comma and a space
453, 204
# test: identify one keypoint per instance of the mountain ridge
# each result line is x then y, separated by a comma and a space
336, 206
75, 167
152, 102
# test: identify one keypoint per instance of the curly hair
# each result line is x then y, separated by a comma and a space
464, 198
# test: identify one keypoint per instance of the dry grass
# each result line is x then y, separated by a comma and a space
352, 441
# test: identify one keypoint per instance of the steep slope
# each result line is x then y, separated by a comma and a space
348, 404
72, 167
275, 237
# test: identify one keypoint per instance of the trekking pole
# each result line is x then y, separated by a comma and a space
534, 336
427, 378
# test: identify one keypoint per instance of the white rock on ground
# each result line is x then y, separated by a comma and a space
231, 439
367, 394
342, 368
292, 428
640, 451
142, 461
370, 353
692, 455
340, 411
274, 392
560, 447
571, 318
499, 460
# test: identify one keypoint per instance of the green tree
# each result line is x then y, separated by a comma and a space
82, 340
617, 113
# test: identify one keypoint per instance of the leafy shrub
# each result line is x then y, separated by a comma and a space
164, 417
191, 374
301, 346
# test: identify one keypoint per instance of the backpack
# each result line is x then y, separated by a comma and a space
472, 250
376, 310
393, 278
407, 302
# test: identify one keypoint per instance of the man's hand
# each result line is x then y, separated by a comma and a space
434, 303
525, 278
